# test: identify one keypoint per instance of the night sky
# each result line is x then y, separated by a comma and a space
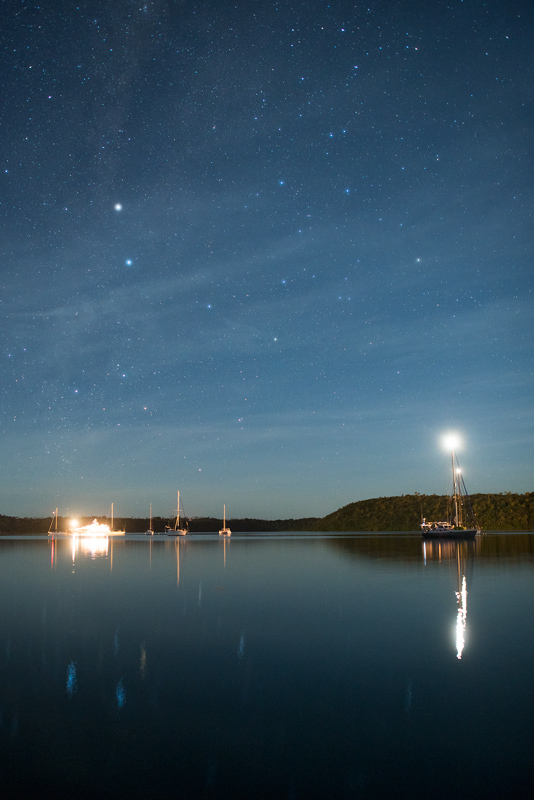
265, 253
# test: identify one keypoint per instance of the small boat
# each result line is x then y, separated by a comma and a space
176, 530
224, 530
53, 524
460, 509
150, 531
95, 528
116, 533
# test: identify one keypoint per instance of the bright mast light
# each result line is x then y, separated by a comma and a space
451, 441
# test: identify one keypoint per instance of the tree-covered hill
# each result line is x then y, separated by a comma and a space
495, 512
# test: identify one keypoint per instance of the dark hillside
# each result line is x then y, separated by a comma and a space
496, 512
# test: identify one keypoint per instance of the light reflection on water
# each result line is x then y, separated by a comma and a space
267, 666
72, 681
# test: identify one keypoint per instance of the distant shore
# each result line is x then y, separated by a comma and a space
496, 512
40, 525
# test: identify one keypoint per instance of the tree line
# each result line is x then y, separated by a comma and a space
37, 526
495, 512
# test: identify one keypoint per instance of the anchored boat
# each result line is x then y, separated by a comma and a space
461, 522
224, 530
150, 531
53, 524
177, 529
95, 528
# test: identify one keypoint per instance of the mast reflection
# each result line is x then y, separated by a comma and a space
142, 661
180, 545
461, 619
463, 553
72, 680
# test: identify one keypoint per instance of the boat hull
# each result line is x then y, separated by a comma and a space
450, 533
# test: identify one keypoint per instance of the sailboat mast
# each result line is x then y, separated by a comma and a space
224, 515
178, 510
112, 516
460, 493
53, 524
455, 492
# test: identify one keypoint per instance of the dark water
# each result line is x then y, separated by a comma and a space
328, 666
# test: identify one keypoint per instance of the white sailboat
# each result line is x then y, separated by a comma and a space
177, 530
53, 524
117, 533
224, 530
460, 508
150, 531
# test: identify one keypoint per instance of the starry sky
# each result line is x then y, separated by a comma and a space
265, 253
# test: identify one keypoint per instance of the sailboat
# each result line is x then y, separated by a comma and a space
53, 524
224, 530
460, 509
150, 531
116, 533
176, 530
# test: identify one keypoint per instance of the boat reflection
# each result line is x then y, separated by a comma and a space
142, 661
120, 693
463, 553
92, 546
461, 618
72, 680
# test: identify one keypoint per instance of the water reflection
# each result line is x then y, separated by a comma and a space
72, 679
287, 667
142, 661
464, 554
407, 547
461, 619
120, 694
241, 648
92, 546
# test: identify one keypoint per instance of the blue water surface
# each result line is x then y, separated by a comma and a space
267, 666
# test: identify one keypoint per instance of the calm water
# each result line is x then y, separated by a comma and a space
288, 666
